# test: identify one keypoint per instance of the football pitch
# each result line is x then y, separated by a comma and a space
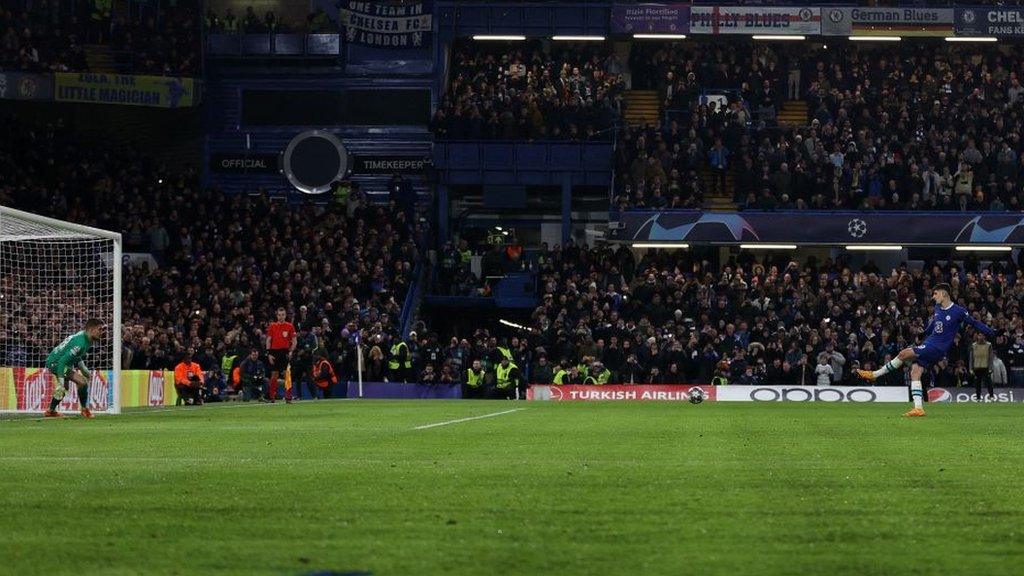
550, 488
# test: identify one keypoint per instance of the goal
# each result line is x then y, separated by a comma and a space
54, 276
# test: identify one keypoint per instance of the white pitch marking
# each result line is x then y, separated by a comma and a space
447, 422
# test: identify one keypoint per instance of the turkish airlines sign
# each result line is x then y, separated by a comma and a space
619, 392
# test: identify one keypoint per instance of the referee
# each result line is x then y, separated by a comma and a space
280, 344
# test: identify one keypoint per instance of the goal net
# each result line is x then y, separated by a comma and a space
54, 276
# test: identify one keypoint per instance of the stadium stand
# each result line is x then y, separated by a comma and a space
527, 93
671, 318
925, 126
223, 263
80, 37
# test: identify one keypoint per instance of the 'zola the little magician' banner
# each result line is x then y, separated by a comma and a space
387, 25
158, 91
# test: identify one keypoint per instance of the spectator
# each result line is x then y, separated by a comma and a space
542, 372
376, 368
823, 371
981, 365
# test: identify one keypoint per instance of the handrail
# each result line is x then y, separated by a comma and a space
826, 212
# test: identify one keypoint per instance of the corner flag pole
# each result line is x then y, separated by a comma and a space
359, 364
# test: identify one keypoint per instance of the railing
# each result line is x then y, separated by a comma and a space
405, 320
266, 44
502, 162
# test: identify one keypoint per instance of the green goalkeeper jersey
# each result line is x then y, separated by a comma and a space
69, 352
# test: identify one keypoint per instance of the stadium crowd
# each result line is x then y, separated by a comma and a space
670, 318
528, 92
916, 126
223, 264
51, 36
249, 22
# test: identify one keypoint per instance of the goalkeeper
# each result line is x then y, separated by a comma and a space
63, 361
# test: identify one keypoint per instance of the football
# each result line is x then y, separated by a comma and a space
696, 396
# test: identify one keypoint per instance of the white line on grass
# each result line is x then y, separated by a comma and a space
143, 410
447, 422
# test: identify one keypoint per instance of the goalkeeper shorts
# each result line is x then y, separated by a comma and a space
61, 373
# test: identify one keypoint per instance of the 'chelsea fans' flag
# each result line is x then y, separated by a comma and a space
387, 24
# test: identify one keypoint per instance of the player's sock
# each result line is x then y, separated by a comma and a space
54, 402
917, 394
889, 366
273, 388
83, 396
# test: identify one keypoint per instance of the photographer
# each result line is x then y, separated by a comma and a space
253, 376
323, 375
189, 381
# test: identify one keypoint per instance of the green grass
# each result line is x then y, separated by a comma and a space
588, 488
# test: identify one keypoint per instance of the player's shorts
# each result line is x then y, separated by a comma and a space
280, 360
62, 373
928, 356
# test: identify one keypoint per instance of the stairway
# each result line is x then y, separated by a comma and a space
793, 113
718, 201
642, 107
100, 58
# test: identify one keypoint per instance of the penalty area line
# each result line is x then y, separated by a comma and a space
447, 422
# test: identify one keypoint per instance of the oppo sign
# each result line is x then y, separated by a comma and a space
805, 395
810, 394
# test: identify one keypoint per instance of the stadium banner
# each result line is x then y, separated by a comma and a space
147, 388
821, 228
731, 393
915, 21
650, 19
136, 259
30, 389
387, 24
755, 20
989, 21
25, 86
966, 394
400, 390
385, 164
245, 163
155, 91
617, 392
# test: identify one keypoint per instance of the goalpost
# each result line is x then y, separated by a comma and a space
55, 275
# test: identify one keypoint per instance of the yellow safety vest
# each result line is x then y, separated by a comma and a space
474, 379
226, 362
505, 352
503, 374
584, 371
395, 350
560, 377
603, 377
